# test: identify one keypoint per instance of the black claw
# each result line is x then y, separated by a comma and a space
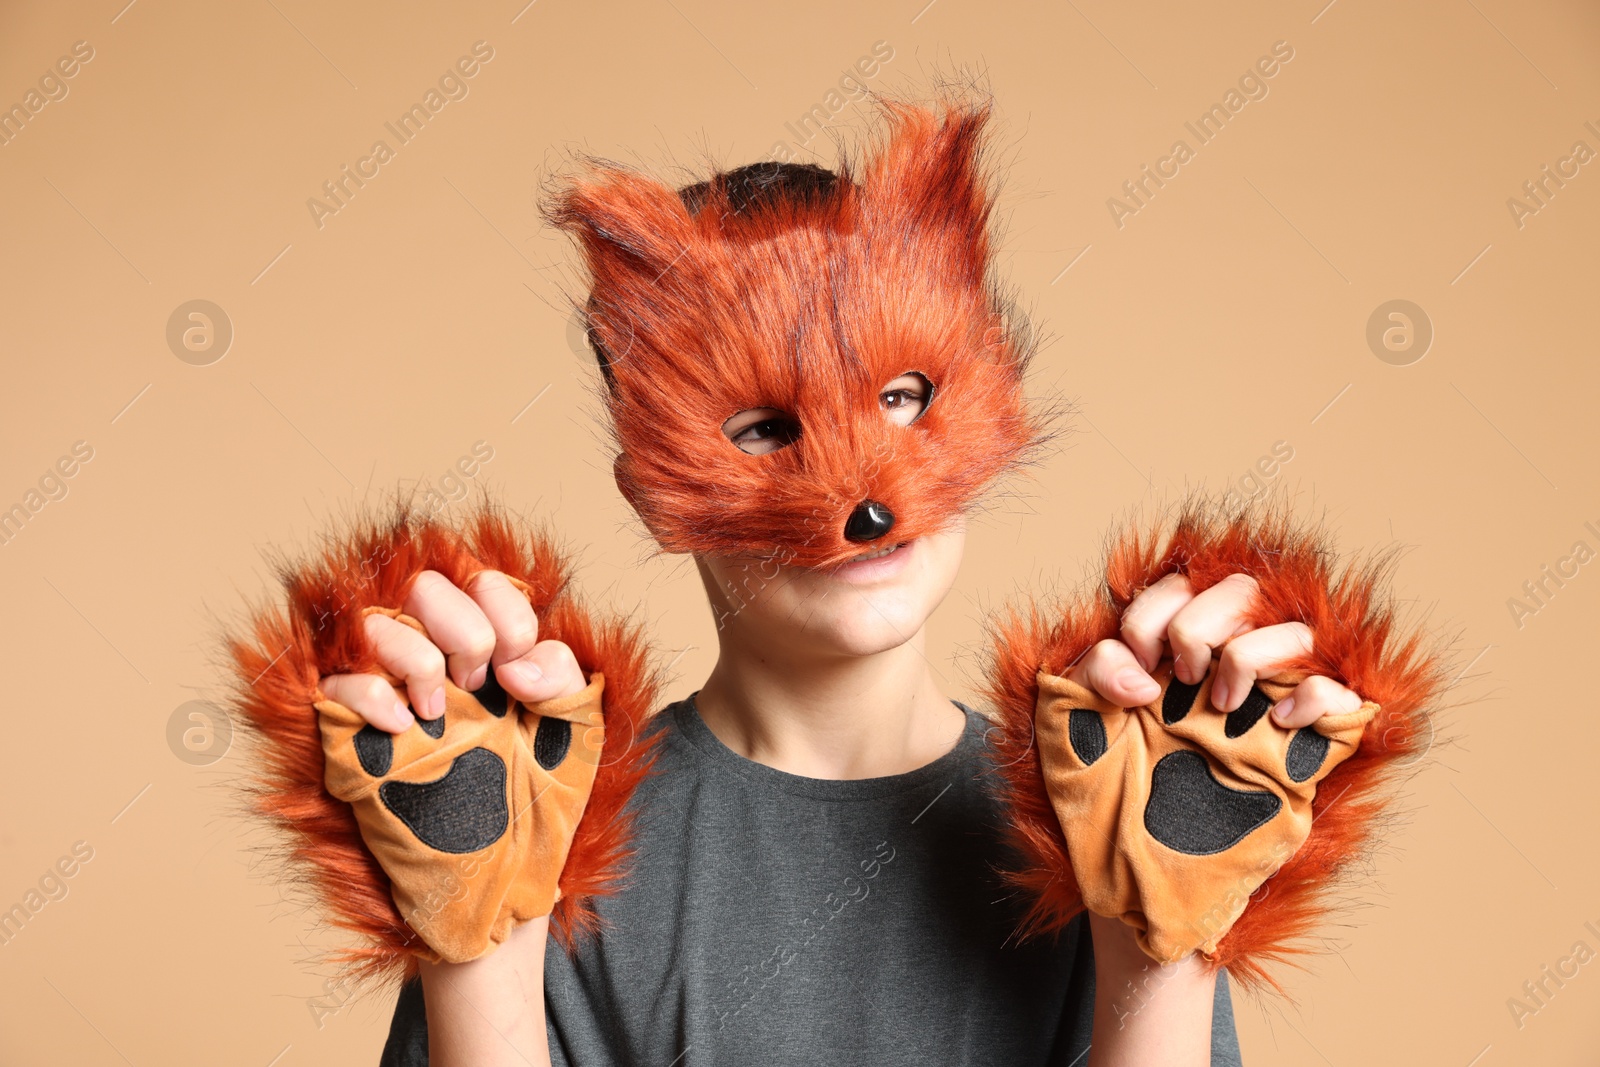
1247, 714
375, 750
495, 700
551, 741
1179, 699
1307, 751
1087, 732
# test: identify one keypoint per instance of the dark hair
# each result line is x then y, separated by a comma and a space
750, 189
758, 185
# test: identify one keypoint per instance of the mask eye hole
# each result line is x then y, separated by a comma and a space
907, 397
762, 430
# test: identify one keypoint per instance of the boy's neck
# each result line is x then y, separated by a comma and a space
838, 717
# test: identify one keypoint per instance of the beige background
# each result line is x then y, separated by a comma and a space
1224, 317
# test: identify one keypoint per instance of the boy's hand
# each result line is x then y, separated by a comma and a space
489, 622
1170, 613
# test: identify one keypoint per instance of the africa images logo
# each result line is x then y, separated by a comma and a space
1252, 85
452, 85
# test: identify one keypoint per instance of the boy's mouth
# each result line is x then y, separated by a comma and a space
877, 553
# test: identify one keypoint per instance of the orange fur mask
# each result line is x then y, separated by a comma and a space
724, 297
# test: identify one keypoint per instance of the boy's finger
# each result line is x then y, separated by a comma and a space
370, 697
1110, 669
516, 628
408, 655
1312, 699
1253, 655
455, 624
1206, 622
1145, 622
549, 670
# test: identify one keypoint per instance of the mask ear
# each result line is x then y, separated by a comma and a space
929, 177
633, 232
625, 221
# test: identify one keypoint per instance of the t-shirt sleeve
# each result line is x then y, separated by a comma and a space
1224, 1038
407, 1045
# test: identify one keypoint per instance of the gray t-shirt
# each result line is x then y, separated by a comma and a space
771, 919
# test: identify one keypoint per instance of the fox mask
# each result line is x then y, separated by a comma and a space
722, 298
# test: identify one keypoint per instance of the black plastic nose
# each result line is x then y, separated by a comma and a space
868, 522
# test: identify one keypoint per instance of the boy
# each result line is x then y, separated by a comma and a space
814, 877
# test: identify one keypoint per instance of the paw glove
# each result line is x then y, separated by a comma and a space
1174, 813
1222, 835
471, 815
433, 844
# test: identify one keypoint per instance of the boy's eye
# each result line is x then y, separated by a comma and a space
907, 397
761, 430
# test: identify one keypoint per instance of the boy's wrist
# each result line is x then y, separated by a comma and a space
1144, 1011
490, 1010
1117, 952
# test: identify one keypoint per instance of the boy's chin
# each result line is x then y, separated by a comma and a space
865, 626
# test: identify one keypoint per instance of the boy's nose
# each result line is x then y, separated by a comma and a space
868, 522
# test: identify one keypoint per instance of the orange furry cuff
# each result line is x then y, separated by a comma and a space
277, 664
1047, 785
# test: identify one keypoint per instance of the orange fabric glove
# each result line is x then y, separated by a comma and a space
1174, 813
435, 843
1209, 832
471, 815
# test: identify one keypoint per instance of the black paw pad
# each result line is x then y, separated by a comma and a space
434, 728
1087, 732
463, 811
1179, 698
1307, 751
1191, 812
1249, 713
495, 700
375, 750
551, 742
